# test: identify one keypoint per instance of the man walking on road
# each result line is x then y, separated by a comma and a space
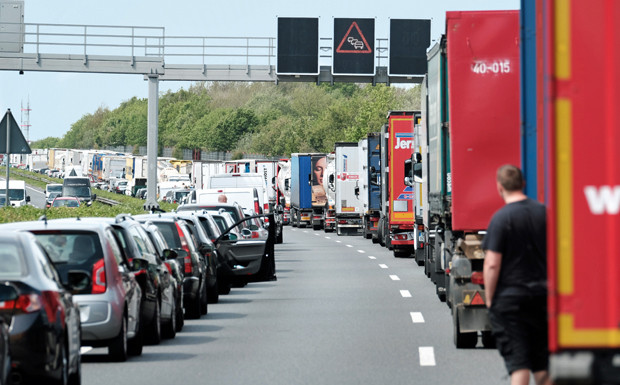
515, 279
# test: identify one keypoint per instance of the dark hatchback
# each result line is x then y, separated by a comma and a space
158, 302
44, 321
242, 258
169, 257
178, 237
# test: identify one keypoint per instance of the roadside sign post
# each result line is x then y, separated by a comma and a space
15, 143
8, 157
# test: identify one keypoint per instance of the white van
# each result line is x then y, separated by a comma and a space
17, 192
237, 180
246, 197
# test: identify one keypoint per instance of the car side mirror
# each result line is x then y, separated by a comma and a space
94, 197
77, 281
138, 264
27, 198
205, 248
181, 253
170, 254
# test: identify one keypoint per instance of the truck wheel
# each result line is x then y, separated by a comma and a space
400, 254
488, 341
462, 340
374, 238
316, 227
293, 219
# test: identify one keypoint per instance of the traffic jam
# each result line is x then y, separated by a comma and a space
423, 186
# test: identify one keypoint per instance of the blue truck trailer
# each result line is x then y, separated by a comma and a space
308, 196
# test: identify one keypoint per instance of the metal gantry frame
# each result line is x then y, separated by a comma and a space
149, 52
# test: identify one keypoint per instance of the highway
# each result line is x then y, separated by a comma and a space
343, 311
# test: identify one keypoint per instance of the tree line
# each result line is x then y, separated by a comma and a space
259, 118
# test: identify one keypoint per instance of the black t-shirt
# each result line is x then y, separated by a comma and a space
518, 232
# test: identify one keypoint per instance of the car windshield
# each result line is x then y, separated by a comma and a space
66, 203
16, 194
57, 188
77, 191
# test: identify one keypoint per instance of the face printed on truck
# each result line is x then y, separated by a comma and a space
404, 141
319, 168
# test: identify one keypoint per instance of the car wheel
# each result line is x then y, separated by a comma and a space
193, 308
213, 294
117, 350
180, 319
204, 300
75, 378
224, 287
64, 367
488, 341
135, 345
154, 332
170, 327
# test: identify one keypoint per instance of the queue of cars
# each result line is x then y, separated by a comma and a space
118, 283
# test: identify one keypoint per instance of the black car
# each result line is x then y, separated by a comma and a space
159, 307
175, 269
44, 321
178, 237
244, 260
207, 249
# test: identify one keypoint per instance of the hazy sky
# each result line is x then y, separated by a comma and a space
58, 100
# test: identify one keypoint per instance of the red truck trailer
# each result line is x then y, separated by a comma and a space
581, 88
467, 142
396, 226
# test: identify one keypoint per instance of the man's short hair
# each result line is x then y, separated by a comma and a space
510, 177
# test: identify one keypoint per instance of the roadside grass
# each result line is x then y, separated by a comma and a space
127, 204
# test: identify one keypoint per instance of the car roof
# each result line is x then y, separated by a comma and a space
58, 224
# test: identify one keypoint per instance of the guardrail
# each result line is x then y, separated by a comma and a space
106, 201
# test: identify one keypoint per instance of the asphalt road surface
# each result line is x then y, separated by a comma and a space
343, 311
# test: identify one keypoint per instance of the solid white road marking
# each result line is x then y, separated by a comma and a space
405, 293
361, 251
394, 278
85, 349
383, 266
371, 257
416, 317
427, 356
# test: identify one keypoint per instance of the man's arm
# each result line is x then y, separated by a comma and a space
492, 264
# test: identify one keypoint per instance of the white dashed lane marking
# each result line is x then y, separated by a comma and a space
317, 234
327, 238
361, 251
427, 356
383, 266
85, 349
349, 245
416, 317
405, 293
394, 278
338, 241
371, 257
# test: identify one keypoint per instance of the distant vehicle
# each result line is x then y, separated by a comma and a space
176, 195
17, 192
79, 187
141, 193
44, 320
2, 200
51, 188
51, 197
65, 202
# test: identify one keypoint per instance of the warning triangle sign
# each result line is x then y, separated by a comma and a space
354, 41
18, 144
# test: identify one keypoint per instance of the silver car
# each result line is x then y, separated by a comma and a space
110, 303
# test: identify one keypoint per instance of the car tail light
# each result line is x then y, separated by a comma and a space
316, 217
477, 278
421, 245
99, 282
420, 227
187, 260
26, 303
256, 207
266, 207
168, 267
255, 234
400, 236
342, 222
